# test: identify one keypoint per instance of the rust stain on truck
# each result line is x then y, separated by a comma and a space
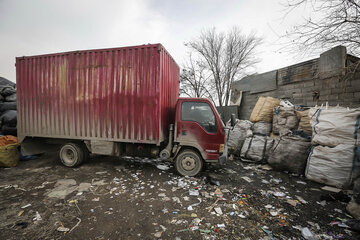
118, 94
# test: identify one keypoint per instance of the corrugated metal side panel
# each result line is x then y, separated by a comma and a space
104, 94
169, 90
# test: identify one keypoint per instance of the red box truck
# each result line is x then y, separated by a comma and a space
119, 101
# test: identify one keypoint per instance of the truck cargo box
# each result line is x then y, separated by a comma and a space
123, 94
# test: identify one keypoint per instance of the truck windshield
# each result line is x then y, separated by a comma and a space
201, 113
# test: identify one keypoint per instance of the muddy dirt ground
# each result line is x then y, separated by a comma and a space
108, 198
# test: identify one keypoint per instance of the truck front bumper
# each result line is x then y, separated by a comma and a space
224, 156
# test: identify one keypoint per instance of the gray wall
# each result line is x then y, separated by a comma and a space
311, 83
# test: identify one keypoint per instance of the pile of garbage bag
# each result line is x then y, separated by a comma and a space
290, 153
237, 136
334, 159
8, 113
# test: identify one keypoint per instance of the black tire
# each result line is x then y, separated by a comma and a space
72, 154
188, 163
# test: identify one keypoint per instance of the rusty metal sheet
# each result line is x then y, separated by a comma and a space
120, 94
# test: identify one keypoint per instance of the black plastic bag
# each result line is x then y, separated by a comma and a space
9, 118
11, 98
7, 106
7, 130
7, 91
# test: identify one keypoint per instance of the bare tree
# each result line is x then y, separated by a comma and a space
194, 79
225, 56
336, 22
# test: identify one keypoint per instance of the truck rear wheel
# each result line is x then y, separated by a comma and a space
72, 154
188, 163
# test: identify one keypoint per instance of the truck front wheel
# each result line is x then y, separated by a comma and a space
188, 163
72, 155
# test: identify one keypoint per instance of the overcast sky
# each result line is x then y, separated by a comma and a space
31, 27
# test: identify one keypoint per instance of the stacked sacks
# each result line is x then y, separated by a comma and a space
256, 147
304, 122
334, 159
290, 153
8, 114
263, 110
237, 136
284, 120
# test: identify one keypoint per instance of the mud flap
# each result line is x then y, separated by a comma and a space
224, 156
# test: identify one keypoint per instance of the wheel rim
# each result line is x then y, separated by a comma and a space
188, 163
68, 155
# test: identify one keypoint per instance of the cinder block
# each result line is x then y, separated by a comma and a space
309, 83
346, 96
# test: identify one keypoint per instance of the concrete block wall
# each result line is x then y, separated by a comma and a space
318, 91
311, 83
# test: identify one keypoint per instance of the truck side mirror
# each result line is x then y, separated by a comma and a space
233, 120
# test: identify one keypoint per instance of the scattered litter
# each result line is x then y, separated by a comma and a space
301, 182
222, 225
190, 208
193, 215
212, 181
276, 180
291, 202
213, 205
95, 199
247, 179
193, 192
99, 183
22, 224
218, 210
37, 217
266, 167
158, 234
338, 210
163, 167
331, 189
218, 193
63, 229
27, 205
79, 221
301, 200
279, 194
273, 213
242, 215
101, 173
20, 213
268, 206
307, 234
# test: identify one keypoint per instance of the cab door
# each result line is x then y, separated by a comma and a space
198, 125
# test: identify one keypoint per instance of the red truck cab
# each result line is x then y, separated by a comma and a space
200, 133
